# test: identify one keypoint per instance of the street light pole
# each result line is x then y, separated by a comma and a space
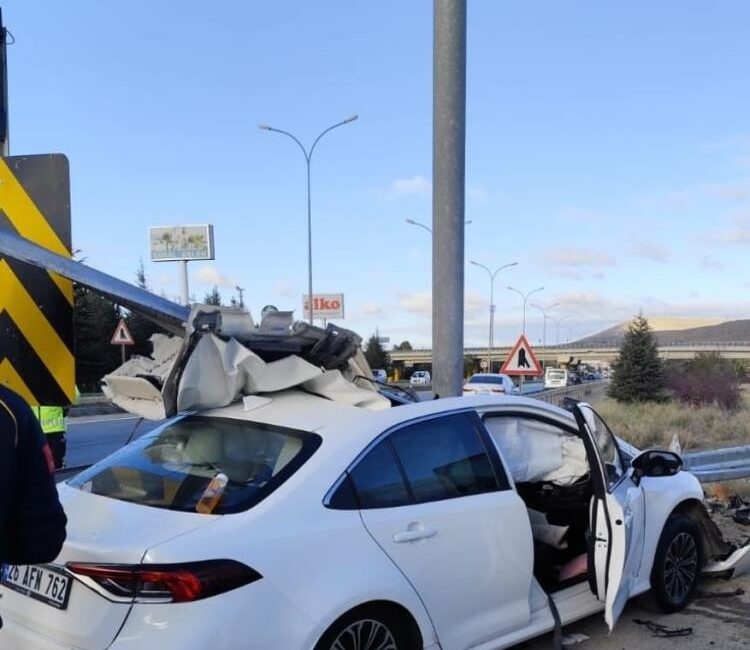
427, 228
525, 297
492, 274
557, 323
308, 158
544, 328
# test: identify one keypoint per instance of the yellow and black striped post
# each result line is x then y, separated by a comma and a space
36, 306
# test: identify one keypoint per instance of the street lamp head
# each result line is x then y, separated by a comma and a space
473, 262
264, 126
467, 222
351, 118
412, 222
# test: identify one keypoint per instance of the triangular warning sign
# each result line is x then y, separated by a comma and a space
122, 335
522, 360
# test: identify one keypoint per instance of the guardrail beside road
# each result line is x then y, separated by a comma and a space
719, 464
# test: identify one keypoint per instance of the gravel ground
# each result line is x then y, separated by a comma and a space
716, 622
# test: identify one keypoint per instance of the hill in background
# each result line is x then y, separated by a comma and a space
675, 331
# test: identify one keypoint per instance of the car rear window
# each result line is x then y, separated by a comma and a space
485, 379
556, 374
201, 464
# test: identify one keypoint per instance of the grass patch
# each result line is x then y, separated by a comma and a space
652, 424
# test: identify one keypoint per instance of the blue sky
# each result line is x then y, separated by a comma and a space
608, 149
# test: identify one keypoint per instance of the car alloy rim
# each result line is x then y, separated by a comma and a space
365, 635
680, 566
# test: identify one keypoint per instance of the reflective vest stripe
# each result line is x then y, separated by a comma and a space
51, 418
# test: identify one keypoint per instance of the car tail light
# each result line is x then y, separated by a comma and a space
165, 583
497, 390
468, 390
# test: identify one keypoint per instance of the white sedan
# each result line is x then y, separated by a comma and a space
489, 382
299, 523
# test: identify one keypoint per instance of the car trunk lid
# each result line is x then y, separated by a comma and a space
100, 530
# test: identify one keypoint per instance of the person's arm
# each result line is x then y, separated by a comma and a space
7, 473
36, 518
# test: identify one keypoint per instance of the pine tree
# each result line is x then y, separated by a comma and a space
95, 321
213, 297
638, 370
376, 355
140, 327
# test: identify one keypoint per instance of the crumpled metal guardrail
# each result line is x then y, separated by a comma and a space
719, 464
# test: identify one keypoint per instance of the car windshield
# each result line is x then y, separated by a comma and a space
486, 379
556, 374
201, 464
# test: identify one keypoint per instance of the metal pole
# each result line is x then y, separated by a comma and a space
309, 244
492, 323
308, 159
448, 171
184, 292
4, 136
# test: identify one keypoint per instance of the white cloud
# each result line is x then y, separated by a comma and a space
285, 289
416, 303
476, 193
650, 251
709, 263
577, 257
371, 308
420, 304
410, 186
738, 191
582, 216
212, 276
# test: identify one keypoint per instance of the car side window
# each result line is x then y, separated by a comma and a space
444, 458
607, 446
378, 481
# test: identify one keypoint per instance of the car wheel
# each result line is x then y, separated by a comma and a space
677, 564
367, 628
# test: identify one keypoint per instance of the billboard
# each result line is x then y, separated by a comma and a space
325, 305
181, 243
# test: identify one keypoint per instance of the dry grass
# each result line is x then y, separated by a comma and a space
698, 427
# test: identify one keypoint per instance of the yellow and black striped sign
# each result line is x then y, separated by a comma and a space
36, 306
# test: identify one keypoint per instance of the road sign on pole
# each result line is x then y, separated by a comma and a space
122, 337
36, 306
522, 361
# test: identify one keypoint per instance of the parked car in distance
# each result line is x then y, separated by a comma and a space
555, 378
574, 378
420, 378
489, 382
378, 374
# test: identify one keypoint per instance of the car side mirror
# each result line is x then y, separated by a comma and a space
654, 463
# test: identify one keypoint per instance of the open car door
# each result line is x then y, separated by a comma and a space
616, 516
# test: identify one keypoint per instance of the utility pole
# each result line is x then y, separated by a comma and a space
307, 153
491, 274
448, 179
544, 329
4, 144
240, 291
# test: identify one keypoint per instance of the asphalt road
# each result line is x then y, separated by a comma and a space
92, 438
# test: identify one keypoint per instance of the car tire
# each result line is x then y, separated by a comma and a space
369, 628
677, 564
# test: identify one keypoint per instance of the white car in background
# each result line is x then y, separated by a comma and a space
420, 378
489, 383
555, 378
294, 522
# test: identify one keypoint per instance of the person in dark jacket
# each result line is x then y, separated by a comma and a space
32, 520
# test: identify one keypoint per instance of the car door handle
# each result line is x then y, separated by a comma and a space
413, 535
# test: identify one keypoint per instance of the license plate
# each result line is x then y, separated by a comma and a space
46, 584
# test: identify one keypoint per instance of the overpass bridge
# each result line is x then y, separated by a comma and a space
585, 353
